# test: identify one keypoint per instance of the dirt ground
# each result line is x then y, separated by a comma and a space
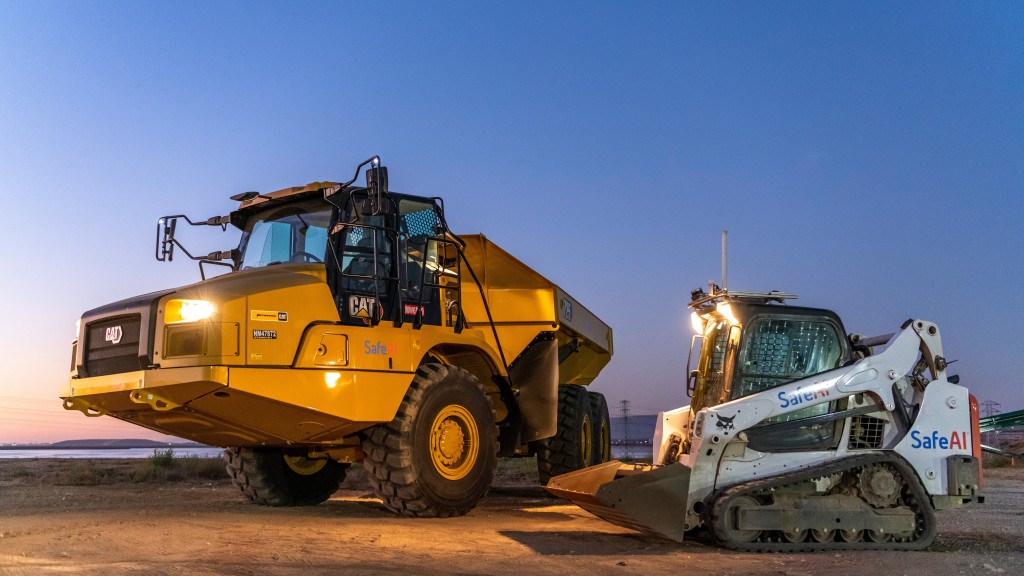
205, 527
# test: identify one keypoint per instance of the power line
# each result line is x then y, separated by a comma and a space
990, 408
624, 410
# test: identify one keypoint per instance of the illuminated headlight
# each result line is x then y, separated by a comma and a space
697, 322
188, 311
725, 310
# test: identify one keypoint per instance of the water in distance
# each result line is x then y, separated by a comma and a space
179, 452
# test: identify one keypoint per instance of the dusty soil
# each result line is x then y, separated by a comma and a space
205, 527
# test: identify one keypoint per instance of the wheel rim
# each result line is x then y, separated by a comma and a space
304, 466
586, 440
795, 535
606, 441
823, 536
732, 519
852, 535
454, 442
878, 536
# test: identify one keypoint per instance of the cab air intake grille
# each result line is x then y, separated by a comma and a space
866, 433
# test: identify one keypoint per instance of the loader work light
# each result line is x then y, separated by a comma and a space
697, 322
188, 311
725, 310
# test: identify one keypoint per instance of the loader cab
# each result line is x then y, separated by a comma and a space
747, 346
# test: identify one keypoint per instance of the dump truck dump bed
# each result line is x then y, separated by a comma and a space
524, 304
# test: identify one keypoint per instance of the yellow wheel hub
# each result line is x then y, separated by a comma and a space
304, 466
606, 441
454, 442
586, 440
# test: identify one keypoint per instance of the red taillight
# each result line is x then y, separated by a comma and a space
976, 438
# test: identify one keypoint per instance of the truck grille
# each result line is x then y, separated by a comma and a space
118, 337
112, 345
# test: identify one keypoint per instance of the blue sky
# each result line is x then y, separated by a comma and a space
868, 156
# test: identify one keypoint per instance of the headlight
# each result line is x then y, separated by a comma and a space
697, 322
724, 309
188, 310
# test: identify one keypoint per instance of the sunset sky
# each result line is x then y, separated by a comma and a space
868, 156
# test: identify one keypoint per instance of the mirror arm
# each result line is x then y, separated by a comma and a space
166, 227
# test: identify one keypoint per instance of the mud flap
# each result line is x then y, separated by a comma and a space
645, 498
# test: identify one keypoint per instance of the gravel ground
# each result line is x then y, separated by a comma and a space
202, 526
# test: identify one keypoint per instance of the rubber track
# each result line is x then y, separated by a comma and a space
392, 473
920, 503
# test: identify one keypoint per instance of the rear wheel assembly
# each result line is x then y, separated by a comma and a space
602, 429
437, 457
873, 501
271, 477
572, 446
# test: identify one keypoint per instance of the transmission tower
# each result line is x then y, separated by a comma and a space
990, 408
626, 440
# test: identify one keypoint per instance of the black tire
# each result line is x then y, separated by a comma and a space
407, 459
266, 477
571, 447
602, 425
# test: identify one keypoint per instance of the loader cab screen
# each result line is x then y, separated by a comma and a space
289, 234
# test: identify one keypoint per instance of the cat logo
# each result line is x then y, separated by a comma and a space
113, 335
363, 307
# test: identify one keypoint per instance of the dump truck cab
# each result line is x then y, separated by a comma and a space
352, 325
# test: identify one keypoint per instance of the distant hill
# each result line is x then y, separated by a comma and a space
118, 443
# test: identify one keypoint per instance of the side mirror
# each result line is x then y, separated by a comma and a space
691, 375
165, 238
377, 188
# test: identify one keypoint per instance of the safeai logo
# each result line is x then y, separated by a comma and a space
787, 399
937, 440
378, 348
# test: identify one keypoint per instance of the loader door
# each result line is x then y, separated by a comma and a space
714, 373
778, 349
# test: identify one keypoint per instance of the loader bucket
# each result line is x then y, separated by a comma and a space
645, 498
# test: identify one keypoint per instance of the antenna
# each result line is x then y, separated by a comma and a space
725, 259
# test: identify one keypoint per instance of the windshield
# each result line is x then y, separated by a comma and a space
294, 233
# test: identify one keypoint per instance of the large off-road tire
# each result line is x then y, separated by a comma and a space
269, 476
437, 457
602, 426
571, 448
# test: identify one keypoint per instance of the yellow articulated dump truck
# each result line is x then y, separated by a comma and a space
353, 325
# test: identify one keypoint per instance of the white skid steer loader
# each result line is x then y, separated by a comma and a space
798, 437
